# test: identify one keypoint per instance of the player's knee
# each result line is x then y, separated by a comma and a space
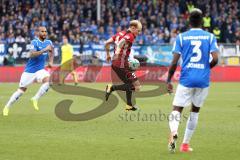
45, 80
137, 88
195, 108
177, 108
22, 89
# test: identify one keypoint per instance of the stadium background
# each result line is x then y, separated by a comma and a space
28, 135
87, 27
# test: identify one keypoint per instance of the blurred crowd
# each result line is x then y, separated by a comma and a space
162, 19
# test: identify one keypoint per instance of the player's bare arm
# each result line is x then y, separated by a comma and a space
37, 53
214, 61
171, 71
51, 57
107, 48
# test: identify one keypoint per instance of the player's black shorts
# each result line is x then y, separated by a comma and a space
126, 75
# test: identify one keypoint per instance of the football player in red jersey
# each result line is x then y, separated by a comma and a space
123, 41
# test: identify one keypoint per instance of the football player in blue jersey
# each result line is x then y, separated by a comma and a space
34, 71
195, 47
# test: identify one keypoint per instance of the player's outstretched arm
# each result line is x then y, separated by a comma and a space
107, 48
214, 61
37, 53
171, 71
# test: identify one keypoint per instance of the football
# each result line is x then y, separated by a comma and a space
134, 64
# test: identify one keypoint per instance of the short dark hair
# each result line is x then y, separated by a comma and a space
66, 36
196, 18
37, 29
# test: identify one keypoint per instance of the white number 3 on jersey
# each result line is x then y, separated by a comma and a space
196, 49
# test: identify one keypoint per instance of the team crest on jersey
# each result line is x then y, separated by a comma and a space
127, 37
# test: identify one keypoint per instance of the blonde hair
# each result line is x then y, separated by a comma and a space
136, 23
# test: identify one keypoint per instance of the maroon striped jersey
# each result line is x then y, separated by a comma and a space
121, 60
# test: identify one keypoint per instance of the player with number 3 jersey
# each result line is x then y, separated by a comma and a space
195, 47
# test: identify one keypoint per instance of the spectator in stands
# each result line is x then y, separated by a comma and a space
62, 18
237, 37
217, 33
9, 60
207, 22
190, 6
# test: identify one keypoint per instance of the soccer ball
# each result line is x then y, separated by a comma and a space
134, 64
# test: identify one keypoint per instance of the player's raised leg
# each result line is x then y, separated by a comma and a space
42, 76
131, 84
127, 82
121, 87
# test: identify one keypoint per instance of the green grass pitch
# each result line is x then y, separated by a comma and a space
27, 134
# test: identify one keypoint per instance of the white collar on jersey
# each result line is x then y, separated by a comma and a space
196, 29
40, 40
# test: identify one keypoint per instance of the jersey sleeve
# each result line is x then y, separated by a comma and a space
33, 46
177, 46
114, 37
50, 43
213, 44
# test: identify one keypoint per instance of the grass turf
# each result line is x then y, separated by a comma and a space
27, 134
